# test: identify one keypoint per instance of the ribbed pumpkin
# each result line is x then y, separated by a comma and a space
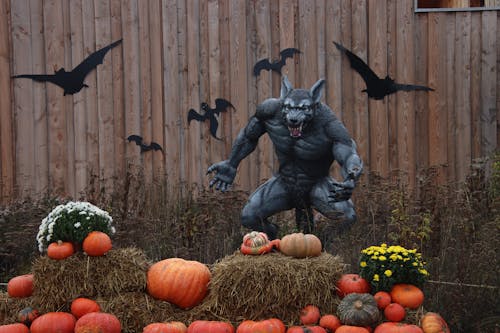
408, 295
351, 329
27, 315
432, 322
330, 322
358, 310
271, 325
60, 250
98, 322
20, 286
210, 326
60, 322
306, 329
97, 243
169, 327
391, 327
300, 245
14, 328
178, 281
81, 306
256, 242
309, 315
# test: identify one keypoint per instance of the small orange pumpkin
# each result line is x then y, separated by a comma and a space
27, 315
352, 283
169, 327
61, 322
98, 322
432, 322
391, 327
14, 328
271, 325
394, 312
60, 250
309, 315
20, 286
210, 326
330, 322
383, 298
81, 306
408, 295
97, 243
300, 245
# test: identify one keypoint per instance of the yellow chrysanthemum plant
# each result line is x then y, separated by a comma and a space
383, 266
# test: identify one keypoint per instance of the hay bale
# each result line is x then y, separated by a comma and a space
10, 307
271, 285
58, 282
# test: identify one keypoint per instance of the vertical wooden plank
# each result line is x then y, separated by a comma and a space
54, 50
239, 79
119, 140
449, 64
6, 125
79, 107
437, 118
392, 111
360, 105
171, 92
23, 99
320, 38
145, 88
225, 52
405, 101
184, 102
333, 89
287, 12
490, 94
40, 131
462, 98
378, 157
204, 90
155, 32
308, 44
105, 98
346, 112
475, 84
276, 47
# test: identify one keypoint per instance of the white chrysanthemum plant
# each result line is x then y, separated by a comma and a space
72, 222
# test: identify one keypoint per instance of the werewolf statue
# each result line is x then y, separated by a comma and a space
307, 139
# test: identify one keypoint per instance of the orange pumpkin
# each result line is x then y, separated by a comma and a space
14, 328
383, 298
300, 245
272, 325
408, 295
60, 322
27, 315
330, 322
81, 306
352, 283
256, 242
98, 322
351, 329
432, 322
309, 315
170, 327
60, 250
391, 327
97, 243
20, 286
394, 312
210, 326
178, 281
306, 329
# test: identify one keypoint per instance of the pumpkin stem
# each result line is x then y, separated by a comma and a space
358, 305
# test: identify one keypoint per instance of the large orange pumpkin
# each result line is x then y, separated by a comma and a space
210, 326
351, 329
60, 322
392, 327
169, 327
14, 328
98, 322
271, 325
97, 243
432, 322
60, 250
178, 281
407, 295
300, 245
20, 286
81, 306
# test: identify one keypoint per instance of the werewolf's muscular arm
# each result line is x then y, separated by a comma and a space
345, 152
245, 143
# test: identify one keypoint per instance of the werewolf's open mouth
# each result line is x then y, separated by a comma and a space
295, 130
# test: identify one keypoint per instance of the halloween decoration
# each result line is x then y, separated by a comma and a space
275, 65
221, 105
73, 81
256, 242
376, 87
144, 147
308, 138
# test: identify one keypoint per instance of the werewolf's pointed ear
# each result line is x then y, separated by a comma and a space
316, 90
286, 86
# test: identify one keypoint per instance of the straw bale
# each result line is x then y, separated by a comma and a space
58, 282
271, 285
10, 307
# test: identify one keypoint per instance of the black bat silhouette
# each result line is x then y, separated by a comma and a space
144, 147
275, 65
221, 105
72, 82
376, 87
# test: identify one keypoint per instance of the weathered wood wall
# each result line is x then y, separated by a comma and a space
178, 53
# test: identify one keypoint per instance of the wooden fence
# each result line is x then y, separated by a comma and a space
176, 54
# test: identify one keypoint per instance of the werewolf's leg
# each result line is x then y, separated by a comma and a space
268, 199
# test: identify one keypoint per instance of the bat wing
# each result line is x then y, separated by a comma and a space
214, 125
42, 78
360, 66
155, 146
192, 114
288, 53
260, 65
221, 105
409, 87
136, 138
91, 62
